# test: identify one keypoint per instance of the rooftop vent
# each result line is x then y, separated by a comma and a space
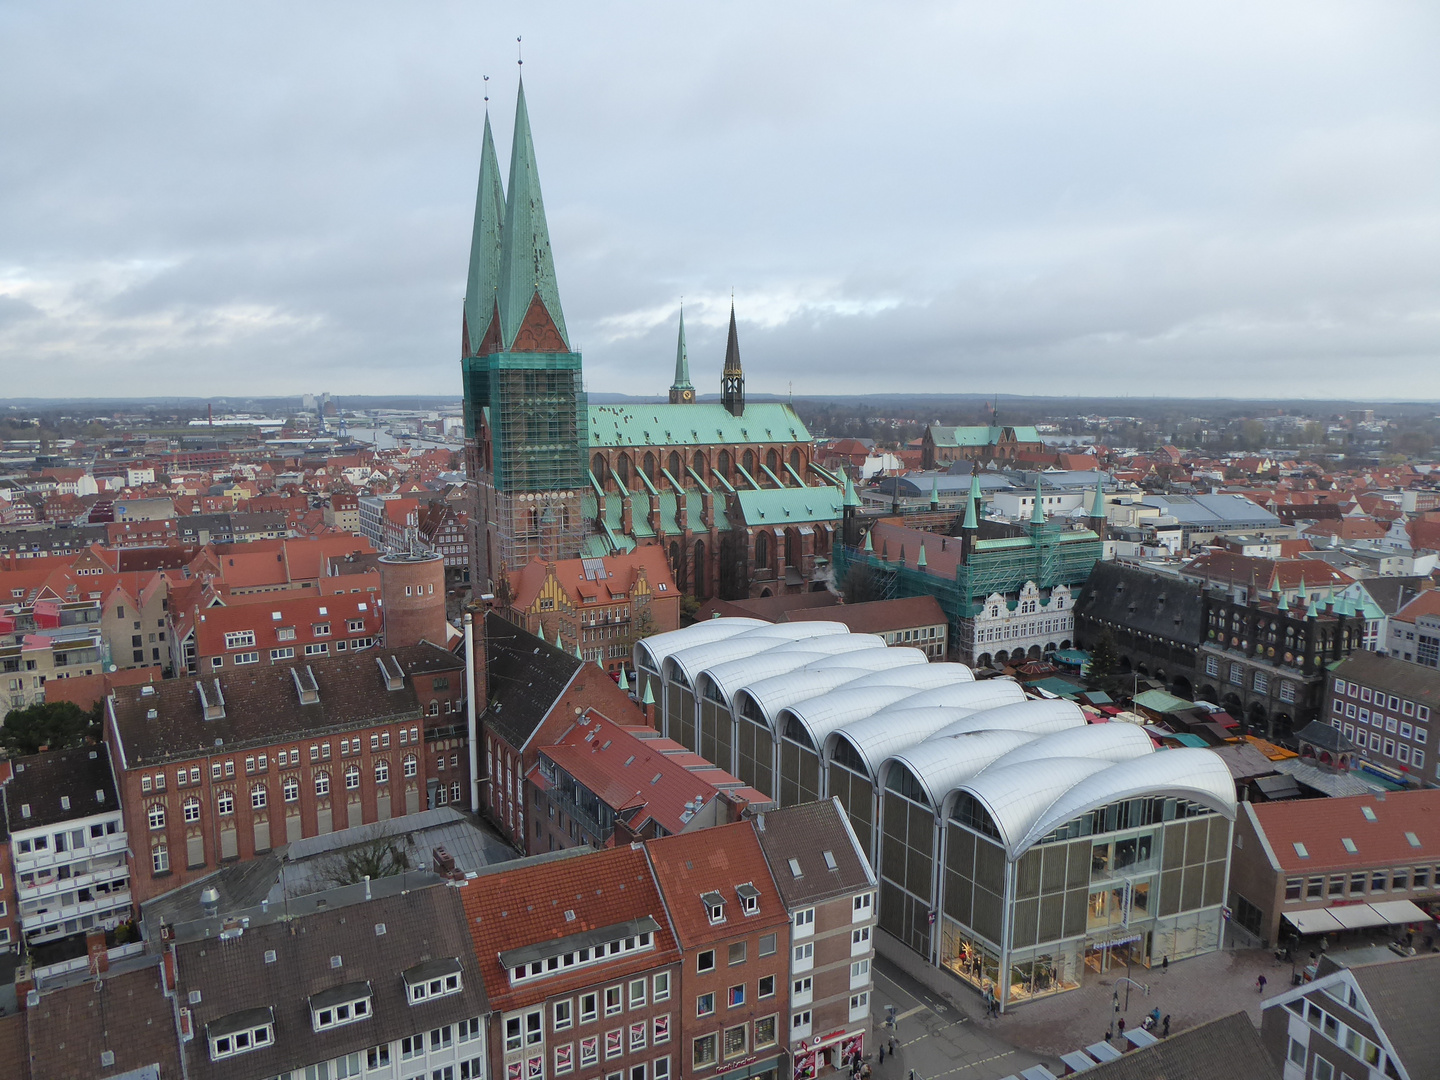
212, 710
306, 686
151, 714
210, 901
147, 690
391, 672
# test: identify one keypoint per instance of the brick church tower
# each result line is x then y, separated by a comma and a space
526, 416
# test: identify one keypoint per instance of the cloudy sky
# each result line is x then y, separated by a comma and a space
1214, 198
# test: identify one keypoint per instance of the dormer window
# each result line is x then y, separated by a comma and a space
432, 979
344, 1004
749, 898
240, 1032
714, 907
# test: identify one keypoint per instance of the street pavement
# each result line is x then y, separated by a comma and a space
941, 1036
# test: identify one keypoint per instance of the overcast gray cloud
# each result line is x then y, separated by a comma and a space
1098, 198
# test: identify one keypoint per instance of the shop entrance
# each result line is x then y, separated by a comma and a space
1117, 953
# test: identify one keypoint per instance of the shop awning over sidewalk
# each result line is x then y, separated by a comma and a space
1355, 916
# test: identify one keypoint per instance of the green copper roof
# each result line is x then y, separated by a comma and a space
869, 544
852, 498
527, 266
970, 522
790, 506
693, 425
624, 682
649, 698
540, 631
920, 560
682, 360
1037, 515
934, 491
1097, 508
483, 282
942, 435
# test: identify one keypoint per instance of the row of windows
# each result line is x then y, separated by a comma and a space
527, 1029
290, 790
733, 1042
287, 652
583, 957
1378, 719
287, 758
1401, 752
1382, 700
1361, 882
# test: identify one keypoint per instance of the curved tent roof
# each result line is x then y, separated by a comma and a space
1110, 742
930, 676
1017, 796
731, 675
939, 766
989, 694
659, 646
1186, 773
824, 713
775, 693
884, 659
690, 662
1039, 716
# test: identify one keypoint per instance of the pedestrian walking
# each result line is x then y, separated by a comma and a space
865, 1072
1260, 985
892, 1045
882, 1055
1164, 965
1122, 1027
1165, 1027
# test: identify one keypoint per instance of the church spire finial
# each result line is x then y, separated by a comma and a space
483, 280
682, 391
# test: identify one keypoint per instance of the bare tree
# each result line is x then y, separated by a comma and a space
376, 856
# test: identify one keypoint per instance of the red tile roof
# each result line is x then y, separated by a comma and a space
687, 867
1322, 826
527, 905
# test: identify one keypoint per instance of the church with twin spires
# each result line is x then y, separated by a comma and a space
730, 491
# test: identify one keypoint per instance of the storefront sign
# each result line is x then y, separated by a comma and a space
805, 1065
1101, 946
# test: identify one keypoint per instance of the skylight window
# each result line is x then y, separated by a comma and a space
830, 862
795, 870
1369, 812
1349, 846
1412, 839
1300, 850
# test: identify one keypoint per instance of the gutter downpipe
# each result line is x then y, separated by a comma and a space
470, 713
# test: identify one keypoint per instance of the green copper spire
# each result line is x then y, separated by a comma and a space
483, 282
1097, 508
1037, 516
682, 370
624, 682
732, 379
1282, 605
649, 698
578, 654
935, 491
920, 562
971, 501
869, 544
527, 268
852, 498
540, 632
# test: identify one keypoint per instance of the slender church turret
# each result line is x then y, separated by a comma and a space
732, 383
681, 391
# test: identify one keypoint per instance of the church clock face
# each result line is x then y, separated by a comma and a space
687, 395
